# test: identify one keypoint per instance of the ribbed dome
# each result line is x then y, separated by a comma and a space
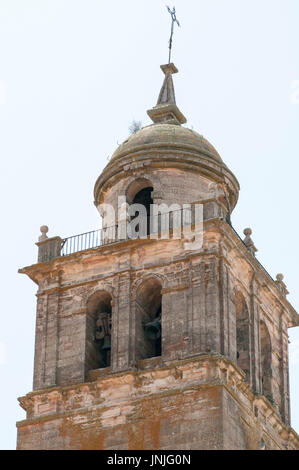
166, 135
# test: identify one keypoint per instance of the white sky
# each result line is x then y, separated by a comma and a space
74, 74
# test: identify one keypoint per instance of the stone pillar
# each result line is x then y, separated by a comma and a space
46, 342
48, 248
255, 337
206, 333
40, 342
232, 340
71, 359
123, 344
175, 337
198, 340
284, 371
212, 306
224, 306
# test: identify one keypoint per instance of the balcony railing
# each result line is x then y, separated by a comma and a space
178, 218
107, 236
87, 240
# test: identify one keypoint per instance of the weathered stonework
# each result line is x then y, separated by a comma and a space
195, 403
221, 379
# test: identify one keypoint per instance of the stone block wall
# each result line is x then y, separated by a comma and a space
199, 311
199, 403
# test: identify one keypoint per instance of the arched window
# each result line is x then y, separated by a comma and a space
266, 369
144, 197
140, 192
98, 331
149, 319
242, 334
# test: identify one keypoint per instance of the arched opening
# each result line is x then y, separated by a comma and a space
98, 331
266, 369
242, 334
149, 319
140, 192
145, 197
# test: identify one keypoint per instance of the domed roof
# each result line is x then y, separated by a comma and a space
166, 135
166, 144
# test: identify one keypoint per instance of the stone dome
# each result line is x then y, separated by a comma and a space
166, 145
166, 135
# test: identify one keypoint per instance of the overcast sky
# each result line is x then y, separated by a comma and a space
73, 76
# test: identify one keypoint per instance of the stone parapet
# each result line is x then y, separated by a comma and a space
49, 249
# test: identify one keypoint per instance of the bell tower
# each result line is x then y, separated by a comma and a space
161, 330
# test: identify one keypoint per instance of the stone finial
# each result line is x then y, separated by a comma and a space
166, 110
280, 284
248, 241
44, 230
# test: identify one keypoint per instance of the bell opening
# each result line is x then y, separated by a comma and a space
98, 331
149, 319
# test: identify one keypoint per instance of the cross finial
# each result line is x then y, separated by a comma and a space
173, 20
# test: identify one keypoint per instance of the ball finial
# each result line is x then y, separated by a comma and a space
279, 277
44, 230
247, 232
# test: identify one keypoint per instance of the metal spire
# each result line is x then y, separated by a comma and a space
173, 20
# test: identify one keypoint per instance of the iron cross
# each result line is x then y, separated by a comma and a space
173, 20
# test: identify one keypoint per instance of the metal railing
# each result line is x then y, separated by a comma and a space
113, 234
109, 235
87, 240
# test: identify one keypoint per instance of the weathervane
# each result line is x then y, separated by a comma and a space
173, 20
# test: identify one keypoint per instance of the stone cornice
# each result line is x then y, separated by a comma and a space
30, 270
173, 157
37, 271
171, 377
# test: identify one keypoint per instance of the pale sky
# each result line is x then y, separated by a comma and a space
73, 76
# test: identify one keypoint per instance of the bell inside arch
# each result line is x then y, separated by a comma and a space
153, 329
106, 343
103, 336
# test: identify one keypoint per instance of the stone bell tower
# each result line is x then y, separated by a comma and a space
154, 342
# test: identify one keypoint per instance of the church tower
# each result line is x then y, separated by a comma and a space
147, 341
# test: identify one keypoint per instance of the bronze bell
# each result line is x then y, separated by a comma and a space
106, 343
153, 329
